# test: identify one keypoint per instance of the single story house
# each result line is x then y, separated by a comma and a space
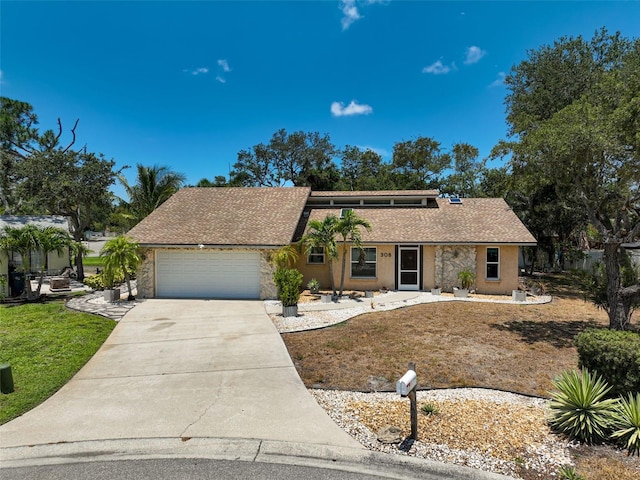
12, 261
216, 242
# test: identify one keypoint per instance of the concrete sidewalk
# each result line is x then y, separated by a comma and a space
183, 369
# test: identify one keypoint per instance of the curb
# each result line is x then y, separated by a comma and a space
240, 449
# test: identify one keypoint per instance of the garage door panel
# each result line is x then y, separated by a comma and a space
207, 274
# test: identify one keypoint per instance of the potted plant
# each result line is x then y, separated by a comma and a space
466, 277
289, 281
519, 295
313, 286
121, 254
110, 294
436, 290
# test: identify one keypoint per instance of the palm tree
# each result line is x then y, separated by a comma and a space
321, 234
348, 227
51, 239
121, 254
154, 185
33, 238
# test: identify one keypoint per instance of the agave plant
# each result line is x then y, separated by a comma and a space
567, 472
627, 423
579, 407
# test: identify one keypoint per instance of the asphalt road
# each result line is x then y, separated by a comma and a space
178, 469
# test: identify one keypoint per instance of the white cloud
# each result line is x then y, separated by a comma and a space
224, 64
350, 12
474, 54
339, 110
380, 151
437, 68
196, 71
220, 79
498, 82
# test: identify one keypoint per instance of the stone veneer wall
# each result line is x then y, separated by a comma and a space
268, 289
146, 275
450, 259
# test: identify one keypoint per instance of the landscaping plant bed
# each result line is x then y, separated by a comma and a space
515, 348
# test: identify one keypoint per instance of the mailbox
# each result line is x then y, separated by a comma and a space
407, 383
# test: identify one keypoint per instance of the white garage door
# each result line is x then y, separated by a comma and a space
207, 274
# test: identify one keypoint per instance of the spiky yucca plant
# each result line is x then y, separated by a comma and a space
579, 407
567, 472
627, 423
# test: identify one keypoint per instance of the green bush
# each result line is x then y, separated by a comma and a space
429, 409
567, 472
627, 423
288, 281
615, 355
580, 408
98, 281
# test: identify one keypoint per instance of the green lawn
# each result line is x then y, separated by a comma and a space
46, 344
92, 261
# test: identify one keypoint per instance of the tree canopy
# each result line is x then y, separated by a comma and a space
575, 112
154, 185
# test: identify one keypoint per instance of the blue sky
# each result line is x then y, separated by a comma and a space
189, 84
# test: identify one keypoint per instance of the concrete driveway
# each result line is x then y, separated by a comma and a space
183, 369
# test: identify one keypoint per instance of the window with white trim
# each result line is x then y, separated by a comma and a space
493, 263
364, 262
316, 256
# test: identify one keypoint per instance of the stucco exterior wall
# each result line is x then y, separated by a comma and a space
385, 271
508, 271
56, 262
146, 280
428, 267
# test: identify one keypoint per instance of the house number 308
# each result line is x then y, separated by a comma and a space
384, 254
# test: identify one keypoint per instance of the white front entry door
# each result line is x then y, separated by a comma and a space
408, 268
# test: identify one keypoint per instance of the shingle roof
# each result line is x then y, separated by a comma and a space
224, 216
474, 221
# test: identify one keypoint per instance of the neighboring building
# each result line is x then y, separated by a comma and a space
12, 261
216, 242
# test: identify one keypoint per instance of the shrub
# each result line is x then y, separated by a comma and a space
580, 408
466, 277
627, 423
99, 282
288, 281
567, 472
615, 355
429, 409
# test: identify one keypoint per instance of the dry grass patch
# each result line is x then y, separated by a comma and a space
517, 348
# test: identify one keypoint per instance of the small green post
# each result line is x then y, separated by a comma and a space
6, 378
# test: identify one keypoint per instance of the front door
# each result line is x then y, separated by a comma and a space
408, 268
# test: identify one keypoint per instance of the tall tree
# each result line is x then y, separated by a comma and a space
348, 228
322, 234
364, 170
17, 135
303, 159
70, 183
154, 185
419, 164
574, 109
467, 172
